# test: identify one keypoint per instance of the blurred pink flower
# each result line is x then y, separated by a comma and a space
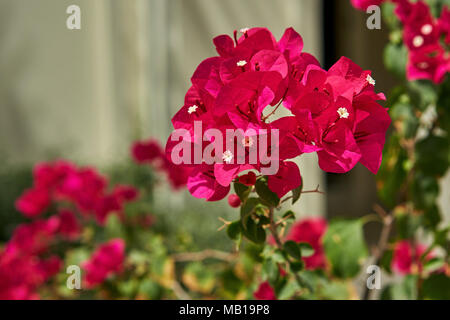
33, 202
364, 4
265, 292
106, 260
69, 226
146, 151
406, 257
311, 230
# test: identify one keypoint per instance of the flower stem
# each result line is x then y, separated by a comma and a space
279, 244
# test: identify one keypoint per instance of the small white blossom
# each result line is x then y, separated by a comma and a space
343, 113
241, 63
426, 29
370, 80
418, 41
423, 65
227, 156
192, 109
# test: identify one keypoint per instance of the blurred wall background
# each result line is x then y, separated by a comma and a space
86, 95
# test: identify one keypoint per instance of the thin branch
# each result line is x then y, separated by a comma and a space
273, 230
381, 247
225, 224
276, 108
314, 191
179, 291
304, 192
203, 255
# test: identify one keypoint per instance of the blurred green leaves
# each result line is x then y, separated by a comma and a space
345, 247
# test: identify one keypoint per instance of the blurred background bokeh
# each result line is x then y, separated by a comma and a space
86, 95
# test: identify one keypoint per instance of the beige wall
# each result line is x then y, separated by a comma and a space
86, 94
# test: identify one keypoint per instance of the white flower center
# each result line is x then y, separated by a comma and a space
227, 156
244, 30
370, 80
192, 109
418, 41
343, 113
247, 142
426, 29
423, 65
241, 63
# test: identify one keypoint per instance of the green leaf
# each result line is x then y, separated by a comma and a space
425, 190
242, 191
114, 227
263, 221
392, 173
437, 287
432, 155
432, 217
423, 93
441, 237
395, 57
266, 194
434, 264
386, 260
289, 215
297, 266
404, 118
405, 223
405, 290
296, 193
345, 247
253, 232
278, 256
288, 291
234, 230
389, 16
306, 249
292, 249
442, 106
247, 208
270, 270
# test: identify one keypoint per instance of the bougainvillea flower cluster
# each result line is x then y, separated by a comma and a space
422, 32
407, 257
106, 260
62, 199
334, 113
150, 152
25, 263
84, 188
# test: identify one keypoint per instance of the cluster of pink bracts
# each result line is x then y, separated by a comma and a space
333, 113
87, 190
77, 195
428, 58
150, 152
